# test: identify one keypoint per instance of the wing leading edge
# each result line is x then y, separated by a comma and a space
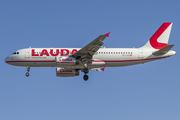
89, 50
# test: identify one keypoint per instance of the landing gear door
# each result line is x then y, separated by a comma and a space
140, 54
27, 53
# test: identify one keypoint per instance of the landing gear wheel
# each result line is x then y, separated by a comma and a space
27, 74
85, 77
86, 70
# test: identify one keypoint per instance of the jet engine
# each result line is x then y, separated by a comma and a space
63, 72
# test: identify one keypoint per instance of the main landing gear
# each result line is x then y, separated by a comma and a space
27, 73
85, 77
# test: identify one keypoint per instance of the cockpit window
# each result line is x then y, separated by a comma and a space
15, 53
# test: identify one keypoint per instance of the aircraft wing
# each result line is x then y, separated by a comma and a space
89, 50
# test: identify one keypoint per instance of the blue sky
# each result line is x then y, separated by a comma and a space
140, 92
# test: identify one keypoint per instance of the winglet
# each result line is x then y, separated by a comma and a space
103, 68
107, 34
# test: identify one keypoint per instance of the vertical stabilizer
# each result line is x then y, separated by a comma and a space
160, 38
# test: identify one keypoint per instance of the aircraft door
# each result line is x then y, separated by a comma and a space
27, 53
140, 54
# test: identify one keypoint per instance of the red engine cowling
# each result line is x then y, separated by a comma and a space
65, 60
63, 72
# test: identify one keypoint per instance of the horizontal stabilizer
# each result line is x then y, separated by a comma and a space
163, 50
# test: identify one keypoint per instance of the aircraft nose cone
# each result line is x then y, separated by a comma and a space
7, 59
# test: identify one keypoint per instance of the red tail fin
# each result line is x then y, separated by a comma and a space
161, 37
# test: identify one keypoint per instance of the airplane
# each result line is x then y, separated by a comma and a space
69, 61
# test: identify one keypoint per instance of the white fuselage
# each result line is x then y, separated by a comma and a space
104, 57
69, 61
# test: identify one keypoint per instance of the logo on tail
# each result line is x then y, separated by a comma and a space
161, 37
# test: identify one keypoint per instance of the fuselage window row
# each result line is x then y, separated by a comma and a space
70, 52
113, 52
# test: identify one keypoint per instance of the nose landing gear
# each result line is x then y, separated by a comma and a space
27, 73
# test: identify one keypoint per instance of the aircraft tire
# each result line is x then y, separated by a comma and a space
27, 74
85, 77
86, 70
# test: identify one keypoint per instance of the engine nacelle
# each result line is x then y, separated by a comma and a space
65, 60
63, 72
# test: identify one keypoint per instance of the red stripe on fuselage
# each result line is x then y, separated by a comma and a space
97, 60
133, 60
32, 61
